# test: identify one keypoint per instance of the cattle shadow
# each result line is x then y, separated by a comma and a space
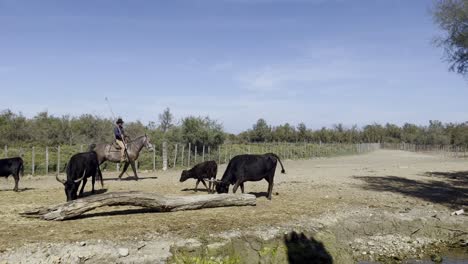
130, 178
259, 194
301, 250
19, 190
193, 190
90, 193
447, 188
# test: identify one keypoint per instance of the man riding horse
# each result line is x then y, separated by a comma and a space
128, 152
120, 138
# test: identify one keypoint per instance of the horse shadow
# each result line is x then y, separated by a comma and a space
301, 250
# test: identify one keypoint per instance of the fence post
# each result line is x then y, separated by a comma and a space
183, 152
46, 160
219, 154
164, 153
225, 154
188, 154
203, 154
195, 155
154, 160
32, 161
58, 160
209, 152
175, 155
117, 166
5, 152
81, 148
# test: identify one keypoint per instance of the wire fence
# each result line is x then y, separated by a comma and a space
445, 150
53, 159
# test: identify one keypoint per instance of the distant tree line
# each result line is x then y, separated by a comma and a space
436, 133
48, 130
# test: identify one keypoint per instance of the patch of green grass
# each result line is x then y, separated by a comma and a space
185, 259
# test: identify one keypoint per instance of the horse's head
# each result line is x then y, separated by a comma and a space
148, 144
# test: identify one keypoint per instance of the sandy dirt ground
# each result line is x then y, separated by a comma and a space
376, 206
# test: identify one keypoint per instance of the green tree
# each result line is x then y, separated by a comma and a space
201, 131
285, 133
436, 134
261, 132
392, 133
452, 18
302, 132
165, 120
373, 133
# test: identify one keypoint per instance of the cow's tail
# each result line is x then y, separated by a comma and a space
278, 158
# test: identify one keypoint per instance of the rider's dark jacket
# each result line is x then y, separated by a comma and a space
118, 133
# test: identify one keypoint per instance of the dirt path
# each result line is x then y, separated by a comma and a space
362, 207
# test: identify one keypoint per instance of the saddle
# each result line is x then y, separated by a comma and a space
113, 147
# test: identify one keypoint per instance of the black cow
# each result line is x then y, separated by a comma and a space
12, 166
80, 167
244, 168
201, 171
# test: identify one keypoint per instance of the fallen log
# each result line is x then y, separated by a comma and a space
156, 202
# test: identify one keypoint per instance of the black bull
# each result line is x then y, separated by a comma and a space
79, 168
12, 166
200, 172
244, 168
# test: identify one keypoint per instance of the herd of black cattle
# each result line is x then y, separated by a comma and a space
240, 169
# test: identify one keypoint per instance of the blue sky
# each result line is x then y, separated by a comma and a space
322, 62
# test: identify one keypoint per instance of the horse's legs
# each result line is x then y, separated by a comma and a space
123, 170
134, 169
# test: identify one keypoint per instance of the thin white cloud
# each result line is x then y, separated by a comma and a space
270, 78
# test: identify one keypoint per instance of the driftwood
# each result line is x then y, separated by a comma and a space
158, 203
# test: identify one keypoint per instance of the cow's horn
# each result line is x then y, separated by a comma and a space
59, 180
82, 177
